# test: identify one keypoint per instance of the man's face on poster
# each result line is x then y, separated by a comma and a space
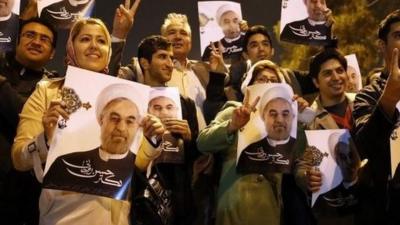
119, 123
163, 107
6, 7
278, 117
315, 9
352, 84
347, 159
229, 22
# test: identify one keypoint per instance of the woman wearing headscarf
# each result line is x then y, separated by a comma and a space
88, 47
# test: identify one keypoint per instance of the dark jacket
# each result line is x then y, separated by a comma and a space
373, 129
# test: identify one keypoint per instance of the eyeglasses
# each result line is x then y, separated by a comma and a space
32, 35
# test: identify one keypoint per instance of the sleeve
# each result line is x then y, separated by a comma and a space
215, 96
147, 152
30, 136
215, 137
116, 57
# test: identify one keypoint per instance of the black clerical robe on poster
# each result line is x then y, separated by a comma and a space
261, 157
86, 172
9, 33
63, 14
303, 32
232, 50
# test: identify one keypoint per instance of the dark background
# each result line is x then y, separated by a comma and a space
150, 16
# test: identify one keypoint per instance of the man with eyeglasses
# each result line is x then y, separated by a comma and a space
20, 70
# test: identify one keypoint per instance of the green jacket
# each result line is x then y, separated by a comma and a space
250, 199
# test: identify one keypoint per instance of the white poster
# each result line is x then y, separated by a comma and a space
252, 142
305, 22
93, 151
9, 23
63, 13
324, 144
353, 73
219, 22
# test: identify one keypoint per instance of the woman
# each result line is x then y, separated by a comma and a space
88, 47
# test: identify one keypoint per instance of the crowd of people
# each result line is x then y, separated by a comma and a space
205, 181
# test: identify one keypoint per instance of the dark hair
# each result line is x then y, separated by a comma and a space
150, 45
42, 22
256, 29
322, 57
384, 26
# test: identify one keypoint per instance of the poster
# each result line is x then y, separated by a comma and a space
93, 151
219, 22
9, 23
305, 22
63, 13
353, 73
265, 142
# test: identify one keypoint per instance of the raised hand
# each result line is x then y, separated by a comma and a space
241, 115
391, 93
301, 103
314, 179
216, 59
50, 117
177, 126
244, 26
124, 18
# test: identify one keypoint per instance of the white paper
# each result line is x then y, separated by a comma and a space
353, 67
331, 174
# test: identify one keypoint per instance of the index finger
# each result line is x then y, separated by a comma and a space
213, 48
246, 98
395, 60
127, 4
254, 104
134, 7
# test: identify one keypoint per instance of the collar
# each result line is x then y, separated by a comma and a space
4, 18
105, 156
180, 67
76, 3
274, 143
314, 23
233, 39
20, 69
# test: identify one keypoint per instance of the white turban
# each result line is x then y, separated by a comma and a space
115, 91
280, 90
226, 8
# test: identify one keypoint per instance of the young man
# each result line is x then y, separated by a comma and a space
333, 107
155, 58
376, 118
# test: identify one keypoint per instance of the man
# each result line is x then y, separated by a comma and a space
8, 23
315, 29
22, 69
189, 76
333, 107
229, 20
155, 58
354, 78
247, 192
64, 13
375, 118
162, 106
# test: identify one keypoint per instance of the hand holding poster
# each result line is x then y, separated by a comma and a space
306, 22
333, 153
266, 142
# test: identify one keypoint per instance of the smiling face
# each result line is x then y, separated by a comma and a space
180, 39
331, 80
278, 117
229, 22
160, 68
6, 7
92, 48
34, 48
119, 123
